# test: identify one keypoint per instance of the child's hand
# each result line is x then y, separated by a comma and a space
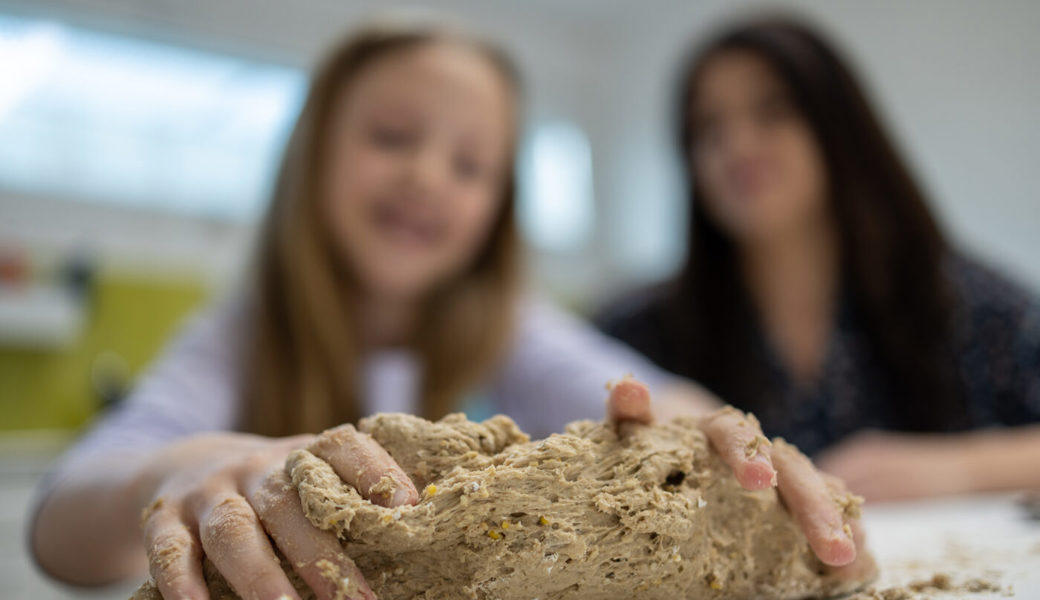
758, 464
222, 495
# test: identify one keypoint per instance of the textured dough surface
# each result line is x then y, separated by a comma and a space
653, 514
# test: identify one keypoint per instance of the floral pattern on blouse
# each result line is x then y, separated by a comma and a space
996, 342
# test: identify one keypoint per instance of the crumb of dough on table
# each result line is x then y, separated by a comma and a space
654, 514
925, 588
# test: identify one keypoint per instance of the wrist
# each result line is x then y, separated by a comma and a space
976, 462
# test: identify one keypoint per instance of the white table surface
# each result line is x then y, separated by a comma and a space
967, 537
986, 536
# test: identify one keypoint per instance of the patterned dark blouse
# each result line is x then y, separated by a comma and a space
996, 339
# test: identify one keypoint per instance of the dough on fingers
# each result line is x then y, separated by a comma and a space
653, 514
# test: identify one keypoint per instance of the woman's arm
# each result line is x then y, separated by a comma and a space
895, 466
1002, 459
1000, 364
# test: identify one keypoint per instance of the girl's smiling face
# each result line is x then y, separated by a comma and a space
420, 144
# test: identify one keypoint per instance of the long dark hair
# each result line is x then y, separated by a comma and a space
892, 249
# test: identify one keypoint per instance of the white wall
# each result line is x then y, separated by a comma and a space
957, 81
961, 87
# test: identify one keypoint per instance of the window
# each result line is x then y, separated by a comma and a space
556, 205
102, 118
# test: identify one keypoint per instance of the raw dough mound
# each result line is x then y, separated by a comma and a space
582, 515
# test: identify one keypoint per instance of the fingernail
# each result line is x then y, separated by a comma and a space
769, 464
772, 476
772, 469
759, 474
401, 496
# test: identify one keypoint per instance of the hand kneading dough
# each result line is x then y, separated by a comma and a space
583, 515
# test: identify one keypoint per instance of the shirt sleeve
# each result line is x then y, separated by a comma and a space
1020, 403
999, 339
557, 368
1029, 363
191, 388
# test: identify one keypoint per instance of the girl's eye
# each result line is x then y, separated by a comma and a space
392, 138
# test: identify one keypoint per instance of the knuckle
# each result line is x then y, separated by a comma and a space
273, 495
227, 523
168, 555
372, 470
336, 436
344, 429
172, 580
276, 480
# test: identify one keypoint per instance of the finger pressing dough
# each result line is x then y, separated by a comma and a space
587, 514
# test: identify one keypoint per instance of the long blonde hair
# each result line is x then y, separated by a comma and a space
302, 364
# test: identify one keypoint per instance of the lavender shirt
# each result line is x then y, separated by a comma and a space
554, 372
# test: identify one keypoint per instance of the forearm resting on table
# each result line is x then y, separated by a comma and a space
86, 530
1002, 459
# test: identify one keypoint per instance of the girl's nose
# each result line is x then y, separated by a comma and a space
430, 170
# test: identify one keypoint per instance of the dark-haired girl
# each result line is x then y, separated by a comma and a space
819, 291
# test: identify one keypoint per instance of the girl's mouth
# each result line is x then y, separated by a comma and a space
406, 225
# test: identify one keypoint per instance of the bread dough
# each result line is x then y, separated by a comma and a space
588, 514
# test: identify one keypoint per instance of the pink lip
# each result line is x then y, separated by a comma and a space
402, 224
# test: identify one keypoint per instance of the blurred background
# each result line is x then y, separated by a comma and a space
138, 140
